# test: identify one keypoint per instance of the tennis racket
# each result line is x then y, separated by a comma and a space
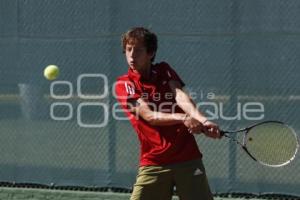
271, 143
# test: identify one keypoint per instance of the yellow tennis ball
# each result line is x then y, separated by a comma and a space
51, 72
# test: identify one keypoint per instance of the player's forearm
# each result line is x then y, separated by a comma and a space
157, 118
188, 106
164, 119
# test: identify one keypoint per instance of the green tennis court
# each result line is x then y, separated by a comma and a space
40, 194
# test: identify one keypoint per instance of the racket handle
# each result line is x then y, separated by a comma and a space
222, 133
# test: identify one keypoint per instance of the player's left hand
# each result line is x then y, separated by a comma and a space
211, 129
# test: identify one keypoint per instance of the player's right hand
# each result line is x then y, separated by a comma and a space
193, 125
211, 129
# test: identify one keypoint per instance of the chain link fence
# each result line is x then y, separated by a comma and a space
239, 60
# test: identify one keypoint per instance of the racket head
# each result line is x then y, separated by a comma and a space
271, 143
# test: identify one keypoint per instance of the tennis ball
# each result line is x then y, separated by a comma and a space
51, 72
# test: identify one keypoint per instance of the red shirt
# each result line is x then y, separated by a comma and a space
160, 145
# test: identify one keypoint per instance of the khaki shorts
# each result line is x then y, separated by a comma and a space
157, 182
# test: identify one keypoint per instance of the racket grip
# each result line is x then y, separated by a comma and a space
222, 133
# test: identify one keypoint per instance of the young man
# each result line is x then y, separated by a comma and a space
164, 118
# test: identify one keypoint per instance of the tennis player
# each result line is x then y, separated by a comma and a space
164, 118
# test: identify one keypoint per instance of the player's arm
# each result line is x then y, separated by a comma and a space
184, 101
131, 101
142, 109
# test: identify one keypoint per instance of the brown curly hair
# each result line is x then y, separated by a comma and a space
141, 34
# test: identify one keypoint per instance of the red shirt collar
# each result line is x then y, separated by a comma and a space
135, 76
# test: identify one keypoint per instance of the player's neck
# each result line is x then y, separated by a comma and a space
145, 72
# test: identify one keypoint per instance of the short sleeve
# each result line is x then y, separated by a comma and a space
126, 93
170, 74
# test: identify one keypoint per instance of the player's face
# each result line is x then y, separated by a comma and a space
137, 56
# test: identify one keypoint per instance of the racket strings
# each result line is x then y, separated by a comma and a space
272, 144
